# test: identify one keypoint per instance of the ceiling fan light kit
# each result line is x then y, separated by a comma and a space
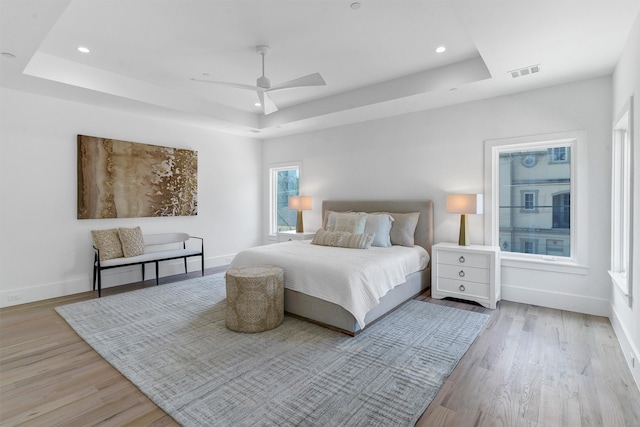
263, 84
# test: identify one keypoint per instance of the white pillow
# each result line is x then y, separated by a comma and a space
351, 222
379, 224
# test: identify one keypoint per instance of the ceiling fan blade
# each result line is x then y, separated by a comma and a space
234, 85
267, 104
310, 80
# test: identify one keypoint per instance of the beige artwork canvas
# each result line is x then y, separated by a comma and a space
122, 179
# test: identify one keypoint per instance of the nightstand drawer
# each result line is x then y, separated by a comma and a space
466, 259
464, 272
462, 288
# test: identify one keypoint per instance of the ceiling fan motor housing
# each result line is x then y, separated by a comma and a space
263, 82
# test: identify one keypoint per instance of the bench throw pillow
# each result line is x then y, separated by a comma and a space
108, 243
132, 241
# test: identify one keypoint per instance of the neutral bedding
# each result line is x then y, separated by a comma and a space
354, 279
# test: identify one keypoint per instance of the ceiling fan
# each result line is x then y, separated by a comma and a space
263, 84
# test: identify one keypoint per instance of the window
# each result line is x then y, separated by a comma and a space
284, 181
529, 201
555, 247
529, 211
529, 246
621, 201
562, 210
558, 154
522, 228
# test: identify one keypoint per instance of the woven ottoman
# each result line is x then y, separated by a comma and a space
255, 298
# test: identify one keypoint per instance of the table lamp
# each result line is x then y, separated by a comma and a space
300, 203
464, 204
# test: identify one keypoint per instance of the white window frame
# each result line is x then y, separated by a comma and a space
273, 189
577, 263
622, 201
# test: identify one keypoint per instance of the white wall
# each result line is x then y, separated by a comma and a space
625, 315
46, 252
432, 153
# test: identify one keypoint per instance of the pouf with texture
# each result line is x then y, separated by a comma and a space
255, 298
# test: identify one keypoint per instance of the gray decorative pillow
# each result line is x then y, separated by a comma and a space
108, 243
342, 239
356, 241
351, 222
326, 238
404, 228
132, 241
379, 224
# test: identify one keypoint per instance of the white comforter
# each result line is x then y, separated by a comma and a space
355, 279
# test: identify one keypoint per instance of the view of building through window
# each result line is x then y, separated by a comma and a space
287, 181
535, 201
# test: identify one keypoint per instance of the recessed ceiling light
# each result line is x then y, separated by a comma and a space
83, 49
355, 5
257, 104
440, 49
8, 55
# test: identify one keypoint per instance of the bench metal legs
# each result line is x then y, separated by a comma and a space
97, 272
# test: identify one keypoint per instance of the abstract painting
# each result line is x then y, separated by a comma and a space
121, 179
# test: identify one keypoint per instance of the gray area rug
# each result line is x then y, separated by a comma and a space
172, 343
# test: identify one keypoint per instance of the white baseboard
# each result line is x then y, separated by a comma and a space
114, 277
557, 300
629, 350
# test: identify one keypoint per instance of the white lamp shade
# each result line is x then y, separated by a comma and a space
464, 203
300, 203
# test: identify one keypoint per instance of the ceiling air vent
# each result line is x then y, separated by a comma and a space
531, 69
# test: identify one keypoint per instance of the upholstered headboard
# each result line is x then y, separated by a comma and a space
424, 229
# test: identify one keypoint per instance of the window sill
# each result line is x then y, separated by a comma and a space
558, 266
621, 281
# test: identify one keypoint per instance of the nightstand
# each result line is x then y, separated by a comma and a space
286, 236
467, 272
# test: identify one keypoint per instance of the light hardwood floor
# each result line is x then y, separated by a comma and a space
531, 366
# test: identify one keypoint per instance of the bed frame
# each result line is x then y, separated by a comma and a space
335, 317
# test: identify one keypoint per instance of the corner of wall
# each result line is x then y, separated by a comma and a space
629, 350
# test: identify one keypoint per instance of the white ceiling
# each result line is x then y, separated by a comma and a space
378, 60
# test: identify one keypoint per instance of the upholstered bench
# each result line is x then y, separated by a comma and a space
255, 298
121, 247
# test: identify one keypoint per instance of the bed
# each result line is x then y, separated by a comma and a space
355, 309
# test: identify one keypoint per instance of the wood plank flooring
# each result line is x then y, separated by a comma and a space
531, 366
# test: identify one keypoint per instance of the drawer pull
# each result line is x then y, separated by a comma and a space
461, 259
462, 289
461, 273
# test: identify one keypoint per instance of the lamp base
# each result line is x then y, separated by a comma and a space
463, 240
299, 226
